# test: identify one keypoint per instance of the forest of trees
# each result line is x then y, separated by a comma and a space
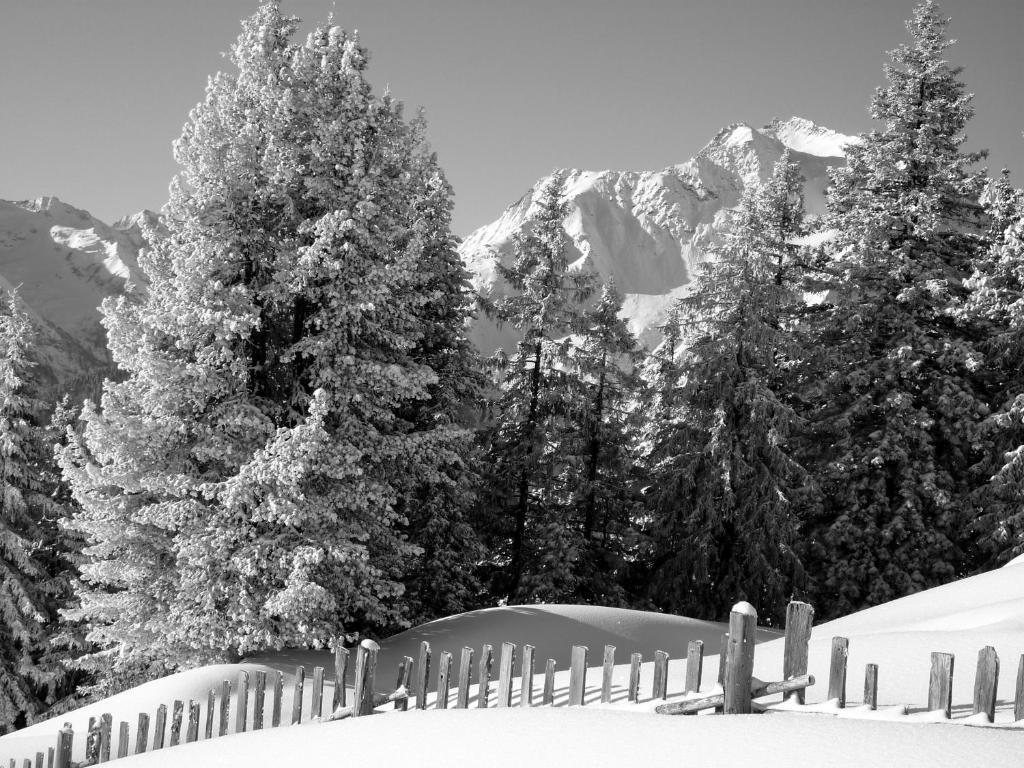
302, 447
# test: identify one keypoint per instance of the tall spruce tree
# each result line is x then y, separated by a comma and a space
899, 397
723, 477
248, 484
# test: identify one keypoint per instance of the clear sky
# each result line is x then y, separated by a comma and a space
92, 92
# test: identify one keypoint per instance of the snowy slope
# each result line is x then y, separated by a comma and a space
64, 263
649, 230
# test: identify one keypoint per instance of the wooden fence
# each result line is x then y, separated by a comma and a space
738, 688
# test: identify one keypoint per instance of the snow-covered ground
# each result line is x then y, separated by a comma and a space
960, 618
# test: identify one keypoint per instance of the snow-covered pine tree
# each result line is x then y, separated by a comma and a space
996, 304
723, 479
31, 679
899, 395
531, 541
243, 487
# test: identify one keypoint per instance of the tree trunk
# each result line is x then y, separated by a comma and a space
522, 506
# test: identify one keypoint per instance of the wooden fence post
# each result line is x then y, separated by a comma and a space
837, 670
548, 697
505, 670
484, 677
871, 686
122, 742
242, 702
607, 669
659, 690
366, 670
635, 660
40, 759
526, 681
65, 740
300, 684
275, 714
465, 672
940, 684
225, 707
259, 699
404, 678
739, 665
985, 682
722, 655
694, 665
159, 726
317, 705
423, 676
577, 675
106, 726
142, 733
444, 675
1018, 699
176, 715
211, 706
192, 733
799, 620
340, 670
51, 757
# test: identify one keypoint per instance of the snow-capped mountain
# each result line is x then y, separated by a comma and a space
64, 262
649, 230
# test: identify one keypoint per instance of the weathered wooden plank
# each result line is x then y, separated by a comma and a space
659, 688
275, 714
739, 663
548, 697
986, 681
340, 671
192, 732
1018, 699
176, 717
484, 676
300, 684
635, 660
122, 741
317, 704
142, 733
211, 706
713, 700
366, 671
607, 670
577, 675
106, 726
871, 686
799, 621
722, 653
225, 707
242, 702
526, 681
404, 679
65, 740
940, 684
51, 757
465, 672
159, 726
444, 676
505, 671
423, 675
259, 700
837, 670
40, 759
694, 665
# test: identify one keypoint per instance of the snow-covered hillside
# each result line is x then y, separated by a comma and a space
649, 230
65, 262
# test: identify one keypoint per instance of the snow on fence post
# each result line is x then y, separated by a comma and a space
404, 677
142, 733
423, 675
799, 620
366, 670
837, 670
340, 670
444, 675
739, 664
548, 697
634, 677
659, 690
484, 677
526, 681
1018, 699
940, 684
722, 654
577, 675
300, 684
242, 701
259, 699
508, 660
607, 668
225, 707
159, 726
179, 708
985, 681
106, 726
65, 739
122, 740
694, 665
871, 686
275, 714
211, 705
192, 734
465, 672
317, 705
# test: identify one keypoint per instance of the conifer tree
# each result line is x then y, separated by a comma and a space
899, 397
723, 477
249, 484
